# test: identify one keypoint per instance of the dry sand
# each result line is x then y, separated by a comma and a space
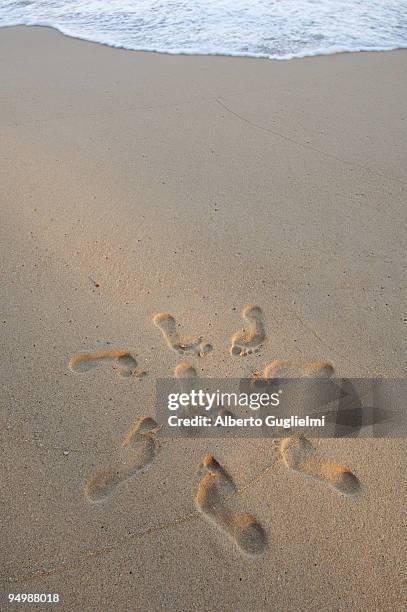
134, 184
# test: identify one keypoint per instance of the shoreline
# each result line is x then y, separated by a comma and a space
319, 53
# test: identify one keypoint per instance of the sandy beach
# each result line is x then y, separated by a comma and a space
135, 184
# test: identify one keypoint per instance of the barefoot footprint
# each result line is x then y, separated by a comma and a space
243, 528
167, 324
299, 455
247, 341
187, 374
186, 371
135, 455
286, 368
123, 362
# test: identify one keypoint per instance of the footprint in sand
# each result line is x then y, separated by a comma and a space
135, 455
187, 372
298, 454
188, 376
249, 339
167, 324
213, 490
122, 361
286, 368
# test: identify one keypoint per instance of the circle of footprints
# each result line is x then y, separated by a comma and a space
216, 487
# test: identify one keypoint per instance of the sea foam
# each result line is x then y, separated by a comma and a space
278, 29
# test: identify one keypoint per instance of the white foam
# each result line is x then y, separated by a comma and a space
278, 29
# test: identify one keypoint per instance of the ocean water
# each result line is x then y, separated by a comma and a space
279, 29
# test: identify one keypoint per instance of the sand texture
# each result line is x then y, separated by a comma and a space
196, 216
